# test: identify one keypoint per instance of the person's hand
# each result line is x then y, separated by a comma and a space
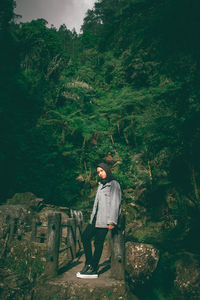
111, 226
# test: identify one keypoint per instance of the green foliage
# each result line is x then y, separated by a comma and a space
25, 260
126, 91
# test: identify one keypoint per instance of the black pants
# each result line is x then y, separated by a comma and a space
99, 235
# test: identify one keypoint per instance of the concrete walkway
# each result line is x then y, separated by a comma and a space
67, 286
104, 279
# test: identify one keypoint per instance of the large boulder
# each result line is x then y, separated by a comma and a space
141, 262
28, 200
187, 280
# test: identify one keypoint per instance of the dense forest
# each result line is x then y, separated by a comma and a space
125, 90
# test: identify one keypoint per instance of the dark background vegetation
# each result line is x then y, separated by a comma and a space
126, 90
127, 87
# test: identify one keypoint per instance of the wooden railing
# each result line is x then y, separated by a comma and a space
59, 237
56, 233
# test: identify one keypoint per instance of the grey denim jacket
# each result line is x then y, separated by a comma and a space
107, 204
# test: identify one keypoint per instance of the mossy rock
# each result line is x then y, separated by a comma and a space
21, 198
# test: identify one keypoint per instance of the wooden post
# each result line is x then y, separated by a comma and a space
117, 247
53, 243
71, 236
34, 230
78, 235
78, 215
12, 228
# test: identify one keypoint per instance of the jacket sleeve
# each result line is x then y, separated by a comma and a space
94, 206
115, 203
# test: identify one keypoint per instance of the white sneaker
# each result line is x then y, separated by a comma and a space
87, 276
88, 273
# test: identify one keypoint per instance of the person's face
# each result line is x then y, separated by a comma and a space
101, 173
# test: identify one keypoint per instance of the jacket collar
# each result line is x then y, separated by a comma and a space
103, 186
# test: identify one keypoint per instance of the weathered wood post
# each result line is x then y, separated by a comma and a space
71, 236
117, 248
78, 215
53, 243
12, 228
34, 230
78, 234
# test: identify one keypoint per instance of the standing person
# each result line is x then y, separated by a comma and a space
105, 213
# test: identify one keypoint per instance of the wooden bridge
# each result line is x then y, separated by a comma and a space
63, 236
